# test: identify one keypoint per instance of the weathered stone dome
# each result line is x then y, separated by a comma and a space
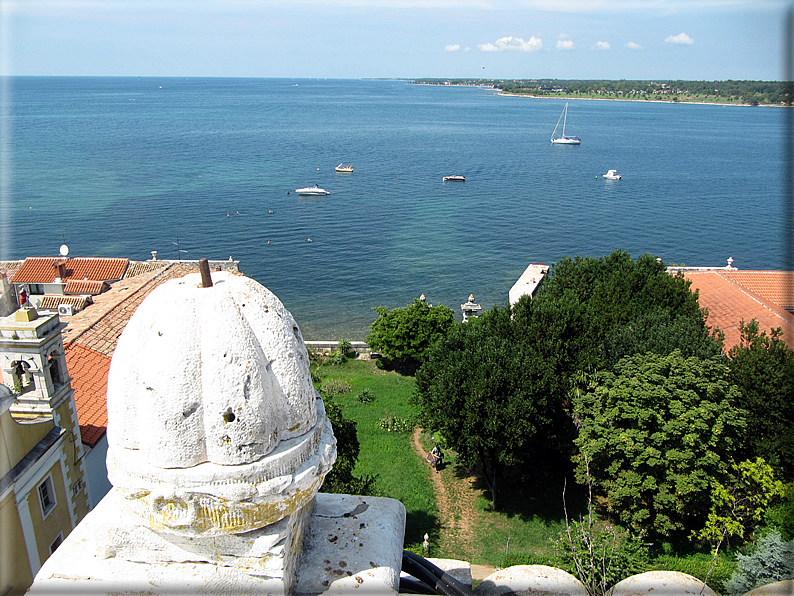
213, 422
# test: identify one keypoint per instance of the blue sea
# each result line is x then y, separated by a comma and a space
124, 166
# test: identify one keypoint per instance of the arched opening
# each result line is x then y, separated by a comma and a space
55, 370
23, 378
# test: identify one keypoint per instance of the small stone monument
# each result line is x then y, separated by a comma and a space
218, 445
470, 309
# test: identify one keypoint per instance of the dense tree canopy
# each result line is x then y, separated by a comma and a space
612, 307
654, 434
406, 334
762, 366
487, 390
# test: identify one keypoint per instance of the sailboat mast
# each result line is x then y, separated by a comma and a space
565, 119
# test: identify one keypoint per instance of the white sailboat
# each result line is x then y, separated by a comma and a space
563, 140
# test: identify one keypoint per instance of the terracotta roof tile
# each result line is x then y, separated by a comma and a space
89, 371
10, 267
52, 302
776, 286
729, 302
85, 286
42, 270
140, 267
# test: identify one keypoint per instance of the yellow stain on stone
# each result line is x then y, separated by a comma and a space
202, 513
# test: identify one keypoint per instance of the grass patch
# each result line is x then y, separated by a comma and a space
400, 473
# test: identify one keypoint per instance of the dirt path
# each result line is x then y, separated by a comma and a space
455, 499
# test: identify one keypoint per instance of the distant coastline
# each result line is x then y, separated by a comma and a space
733, 93
671, 101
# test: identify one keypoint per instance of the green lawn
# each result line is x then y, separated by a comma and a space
401, 474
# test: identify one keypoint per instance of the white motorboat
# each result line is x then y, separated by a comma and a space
612, 175
564, 140
312, 191
341, 168
456, 177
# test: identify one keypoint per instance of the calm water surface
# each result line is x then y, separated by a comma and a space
122, 166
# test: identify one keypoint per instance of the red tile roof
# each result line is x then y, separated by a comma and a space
89, 372
85, 286
10, 267
729, 302
775, 286
43, 270
52, 302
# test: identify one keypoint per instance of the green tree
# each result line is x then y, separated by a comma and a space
406, 334
486, 390
656, 432
341, 479
623, 307
739, 505
762, 366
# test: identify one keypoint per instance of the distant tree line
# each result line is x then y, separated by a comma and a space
730, 91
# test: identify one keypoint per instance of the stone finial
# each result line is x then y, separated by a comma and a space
214, 426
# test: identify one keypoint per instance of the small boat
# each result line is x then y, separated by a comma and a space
612, 175
312, 191
341, 168
457, 177
563, 140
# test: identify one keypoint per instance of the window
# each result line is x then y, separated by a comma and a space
47, 496
56, 543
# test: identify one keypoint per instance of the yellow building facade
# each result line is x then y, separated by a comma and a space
43, 488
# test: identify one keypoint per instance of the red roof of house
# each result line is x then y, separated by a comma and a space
729, 301
84, 286
89, 372
44, 270
52, 302
775, 286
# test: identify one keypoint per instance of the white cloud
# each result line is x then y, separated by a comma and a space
681, 39
633, 46
602, 45
452, 48
565, 44
467, 49
504, 44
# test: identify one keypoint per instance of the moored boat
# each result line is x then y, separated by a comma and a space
456, 177
343, 168
564, 140
312, 191
612, 175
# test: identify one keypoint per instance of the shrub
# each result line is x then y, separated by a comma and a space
365, 396
336, 357
335, 387
344, 346
600, 556
394, 424
781, 516
771, 561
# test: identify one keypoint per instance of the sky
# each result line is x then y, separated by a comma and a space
520, 39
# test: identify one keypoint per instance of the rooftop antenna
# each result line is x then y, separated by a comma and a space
64, 250
179, 251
